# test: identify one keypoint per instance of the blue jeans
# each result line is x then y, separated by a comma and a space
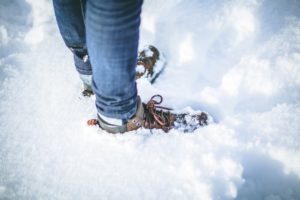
103, 36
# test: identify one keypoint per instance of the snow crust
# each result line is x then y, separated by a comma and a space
237, 60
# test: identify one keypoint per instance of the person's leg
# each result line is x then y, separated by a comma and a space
112, 29
70, 19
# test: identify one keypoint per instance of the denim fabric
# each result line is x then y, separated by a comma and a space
70, 19
109, 31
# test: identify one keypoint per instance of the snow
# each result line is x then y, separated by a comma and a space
140, 69
237, 60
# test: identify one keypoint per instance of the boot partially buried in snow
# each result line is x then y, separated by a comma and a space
153, 116
150, 64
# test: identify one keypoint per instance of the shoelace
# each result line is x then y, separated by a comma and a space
159, 116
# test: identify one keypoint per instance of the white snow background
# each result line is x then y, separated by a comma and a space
238, 60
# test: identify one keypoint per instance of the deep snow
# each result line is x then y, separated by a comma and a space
238, 60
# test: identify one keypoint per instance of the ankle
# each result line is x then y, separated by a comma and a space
110, 120
86, 79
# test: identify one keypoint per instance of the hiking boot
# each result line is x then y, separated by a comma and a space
153, 116
150, 63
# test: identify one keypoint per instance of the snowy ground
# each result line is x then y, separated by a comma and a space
238, 60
